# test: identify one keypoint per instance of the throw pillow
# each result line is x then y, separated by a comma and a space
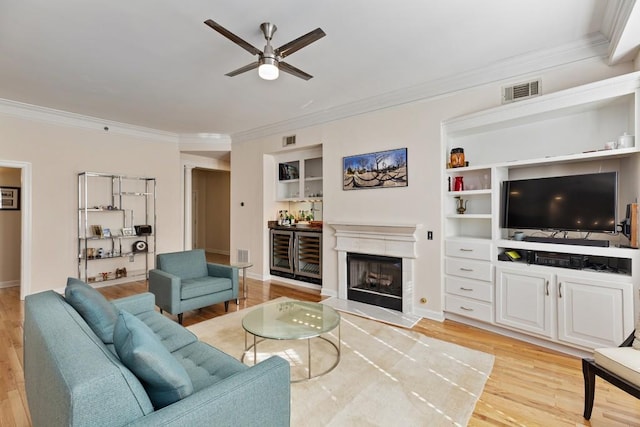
163, 377
94, 308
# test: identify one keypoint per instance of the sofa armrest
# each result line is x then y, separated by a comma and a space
260, 395
166, 288
136, 304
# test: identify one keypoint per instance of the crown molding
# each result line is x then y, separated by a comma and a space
65, 118
594, 46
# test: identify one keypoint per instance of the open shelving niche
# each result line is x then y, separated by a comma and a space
114, 202
561, 133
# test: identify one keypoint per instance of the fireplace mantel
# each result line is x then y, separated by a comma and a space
393, 240
380, 239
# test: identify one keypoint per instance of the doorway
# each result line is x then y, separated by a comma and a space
15, 263
211, 210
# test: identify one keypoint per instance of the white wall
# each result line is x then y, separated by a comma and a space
57, 153
415, 126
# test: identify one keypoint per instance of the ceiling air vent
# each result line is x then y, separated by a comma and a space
520, 91
288, 140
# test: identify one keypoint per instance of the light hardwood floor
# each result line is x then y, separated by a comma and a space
529, 385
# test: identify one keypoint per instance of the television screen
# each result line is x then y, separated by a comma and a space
565, 203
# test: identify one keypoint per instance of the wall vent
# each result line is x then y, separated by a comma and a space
243, 255
288, 140
520, 91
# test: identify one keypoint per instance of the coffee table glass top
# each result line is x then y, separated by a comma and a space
291, 320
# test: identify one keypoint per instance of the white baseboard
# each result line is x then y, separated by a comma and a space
9, 284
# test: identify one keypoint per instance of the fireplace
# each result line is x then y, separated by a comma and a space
395, 244
375, 279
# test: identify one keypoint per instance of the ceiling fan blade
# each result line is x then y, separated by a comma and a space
297, 44
244, 69
294, 71
237, 40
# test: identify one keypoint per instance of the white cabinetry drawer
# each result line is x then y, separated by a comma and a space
482, 291
469, 308
479, 270
469, 249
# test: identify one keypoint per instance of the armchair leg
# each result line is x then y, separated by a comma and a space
180, 318
161, 311
589, 387
226, 306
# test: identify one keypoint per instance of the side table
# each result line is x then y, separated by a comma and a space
243, 266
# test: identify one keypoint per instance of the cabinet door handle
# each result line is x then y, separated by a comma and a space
465, 308
466, 250
465, 289
466, 269
560, 290
547, 288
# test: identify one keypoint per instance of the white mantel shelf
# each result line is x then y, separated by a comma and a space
399, 231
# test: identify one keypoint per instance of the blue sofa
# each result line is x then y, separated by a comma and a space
72, 378
184, 281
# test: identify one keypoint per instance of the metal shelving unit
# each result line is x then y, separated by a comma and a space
109, 209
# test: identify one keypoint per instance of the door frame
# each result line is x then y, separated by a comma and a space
25, 223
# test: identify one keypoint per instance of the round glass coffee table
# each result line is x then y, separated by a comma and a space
292, 320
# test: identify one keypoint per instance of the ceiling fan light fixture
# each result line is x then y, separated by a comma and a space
268, 69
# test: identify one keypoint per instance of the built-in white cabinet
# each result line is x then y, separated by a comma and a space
569, 309
299, 175
593, 313
562, 133
524, 301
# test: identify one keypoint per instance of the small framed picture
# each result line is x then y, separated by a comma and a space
97, 230
106, 232
128, 231
10, 198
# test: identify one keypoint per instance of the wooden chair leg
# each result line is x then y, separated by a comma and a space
180, 318
589, 387
226, 306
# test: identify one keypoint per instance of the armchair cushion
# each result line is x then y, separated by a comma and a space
200, 286
163, 377
185, 265
100, 314
622, 361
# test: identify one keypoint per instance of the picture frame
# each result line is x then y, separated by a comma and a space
97, 230
128, 231
381, 169
106, 232
10, 198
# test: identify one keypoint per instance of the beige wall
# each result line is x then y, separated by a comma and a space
9, 233
57, 152
416, 126
213, 189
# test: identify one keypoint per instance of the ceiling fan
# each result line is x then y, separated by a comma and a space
270, 61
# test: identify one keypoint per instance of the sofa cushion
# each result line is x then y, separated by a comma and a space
94, 308
163, 377
171, 334
193, 288
622, 361
207, 365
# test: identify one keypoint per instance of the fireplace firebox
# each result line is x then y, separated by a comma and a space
375, 279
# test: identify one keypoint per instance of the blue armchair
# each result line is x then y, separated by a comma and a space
185, 281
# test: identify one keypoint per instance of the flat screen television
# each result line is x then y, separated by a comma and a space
563, 203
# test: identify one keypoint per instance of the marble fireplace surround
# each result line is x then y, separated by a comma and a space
393, 240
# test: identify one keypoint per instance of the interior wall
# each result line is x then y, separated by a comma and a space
10, 225
214, 195
57, 152
416, 126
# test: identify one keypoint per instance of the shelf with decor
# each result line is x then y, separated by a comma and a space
569, 132
116, 222
299, 175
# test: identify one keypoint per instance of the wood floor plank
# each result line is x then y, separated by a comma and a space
528, 386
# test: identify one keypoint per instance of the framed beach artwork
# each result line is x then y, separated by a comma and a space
383, 169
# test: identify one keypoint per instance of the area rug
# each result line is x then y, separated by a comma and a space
386, 375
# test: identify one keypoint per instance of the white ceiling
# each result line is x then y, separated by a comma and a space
154, 63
